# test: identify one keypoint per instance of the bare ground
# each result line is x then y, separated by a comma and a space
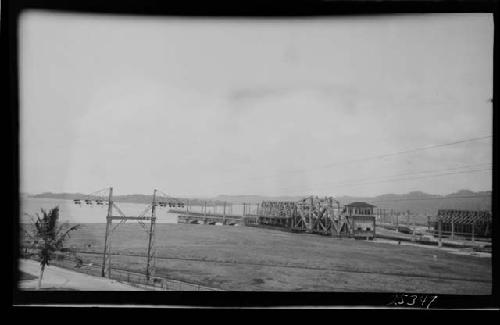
56, 278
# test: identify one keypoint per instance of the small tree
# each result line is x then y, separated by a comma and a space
49, 236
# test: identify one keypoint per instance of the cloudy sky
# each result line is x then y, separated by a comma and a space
201, 107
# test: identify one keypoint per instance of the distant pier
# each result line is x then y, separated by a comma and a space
208, 218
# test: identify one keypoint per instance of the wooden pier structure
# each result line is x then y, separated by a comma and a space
208, 218
322, 216
316, 215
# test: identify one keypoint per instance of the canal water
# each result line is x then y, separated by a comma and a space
73, 213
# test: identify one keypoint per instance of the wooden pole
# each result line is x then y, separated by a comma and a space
224, 214
473, 224
439, 230
151, 237
414, 228
109, 260
309, 226
106, 235
452, 229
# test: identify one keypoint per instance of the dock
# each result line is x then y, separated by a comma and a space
208, 218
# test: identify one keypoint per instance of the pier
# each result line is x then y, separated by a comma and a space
207, 218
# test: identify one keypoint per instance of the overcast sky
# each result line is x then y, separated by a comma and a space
201, 107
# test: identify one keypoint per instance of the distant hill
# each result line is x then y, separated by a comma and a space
417, 202
130, 198
423, 203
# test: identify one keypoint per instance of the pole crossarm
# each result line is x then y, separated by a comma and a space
129, 218
151, 252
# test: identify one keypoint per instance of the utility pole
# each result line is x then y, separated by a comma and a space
473, 224
440, 227
151, 237
106, 236
311, 205
414, 229
224, 214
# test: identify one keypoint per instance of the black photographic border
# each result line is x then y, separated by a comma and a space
11, 11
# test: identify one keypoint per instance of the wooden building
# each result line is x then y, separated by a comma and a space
462, 223
362, 219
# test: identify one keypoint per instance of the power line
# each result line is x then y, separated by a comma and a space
407, 178
427, 176
372, 157
416, 150
410, 178
433, 198
168, 197
412, 173
96, 193
394, 178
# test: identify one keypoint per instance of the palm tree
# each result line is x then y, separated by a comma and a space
49, 236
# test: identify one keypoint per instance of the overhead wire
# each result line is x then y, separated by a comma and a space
338, 163
394, 178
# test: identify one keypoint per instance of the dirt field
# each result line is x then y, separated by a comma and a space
246, 258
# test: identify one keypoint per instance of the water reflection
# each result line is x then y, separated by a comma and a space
84, 213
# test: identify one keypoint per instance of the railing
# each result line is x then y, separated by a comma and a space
156, 283
132, 278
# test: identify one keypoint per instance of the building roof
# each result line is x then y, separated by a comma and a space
360, 205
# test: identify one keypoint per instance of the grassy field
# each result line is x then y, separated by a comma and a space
247, 258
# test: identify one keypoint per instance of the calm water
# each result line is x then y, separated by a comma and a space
70, 212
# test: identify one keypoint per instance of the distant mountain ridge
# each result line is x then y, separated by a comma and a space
416, 201
423, 203
129, 198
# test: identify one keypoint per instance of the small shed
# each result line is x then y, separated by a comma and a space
360, 215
